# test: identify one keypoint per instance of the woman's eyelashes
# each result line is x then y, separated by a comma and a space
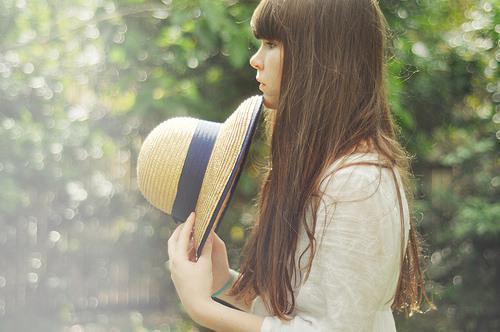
269, 44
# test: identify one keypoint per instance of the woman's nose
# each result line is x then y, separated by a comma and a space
255, 61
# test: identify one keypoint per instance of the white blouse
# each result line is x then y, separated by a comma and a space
354, 275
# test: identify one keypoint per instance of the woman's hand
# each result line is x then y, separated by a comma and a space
192, 280
220, 264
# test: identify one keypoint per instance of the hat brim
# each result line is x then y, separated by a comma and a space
224, 168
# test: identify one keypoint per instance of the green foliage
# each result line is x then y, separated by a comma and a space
82, 83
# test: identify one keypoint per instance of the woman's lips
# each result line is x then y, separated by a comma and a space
261, 86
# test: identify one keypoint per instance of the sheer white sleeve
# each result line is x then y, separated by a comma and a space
356, 264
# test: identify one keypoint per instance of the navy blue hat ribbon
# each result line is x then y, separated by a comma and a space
193, 171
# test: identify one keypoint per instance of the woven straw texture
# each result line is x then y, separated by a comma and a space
226, 150
163, 153
161, 159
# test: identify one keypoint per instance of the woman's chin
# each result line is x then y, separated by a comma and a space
269, 103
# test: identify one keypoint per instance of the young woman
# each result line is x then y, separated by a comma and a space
333, 247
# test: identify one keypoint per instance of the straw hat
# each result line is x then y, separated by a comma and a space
186, 164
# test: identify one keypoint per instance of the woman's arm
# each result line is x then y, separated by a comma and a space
218, 317
240, 304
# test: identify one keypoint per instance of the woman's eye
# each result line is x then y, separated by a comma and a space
270, 45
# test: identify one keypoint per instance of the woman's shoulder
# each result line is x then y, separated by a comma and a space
355, 177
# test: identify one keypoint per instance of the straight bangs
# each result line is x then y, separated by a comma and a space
265, 22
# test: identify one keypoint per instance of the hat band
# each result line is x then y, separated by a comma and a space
194, 168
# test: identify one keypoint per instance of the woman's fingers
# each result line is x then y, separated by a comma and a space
192, 250
172, 242
185, 235
218, 244
175, 234
217, 239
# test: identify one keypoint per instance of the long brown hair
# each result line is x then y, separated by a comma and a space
332, 98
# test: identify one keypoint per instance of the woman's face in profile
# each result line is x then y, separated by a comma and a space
268, 61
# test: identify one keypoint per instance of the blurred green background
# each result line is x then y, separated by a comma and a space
83, 82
